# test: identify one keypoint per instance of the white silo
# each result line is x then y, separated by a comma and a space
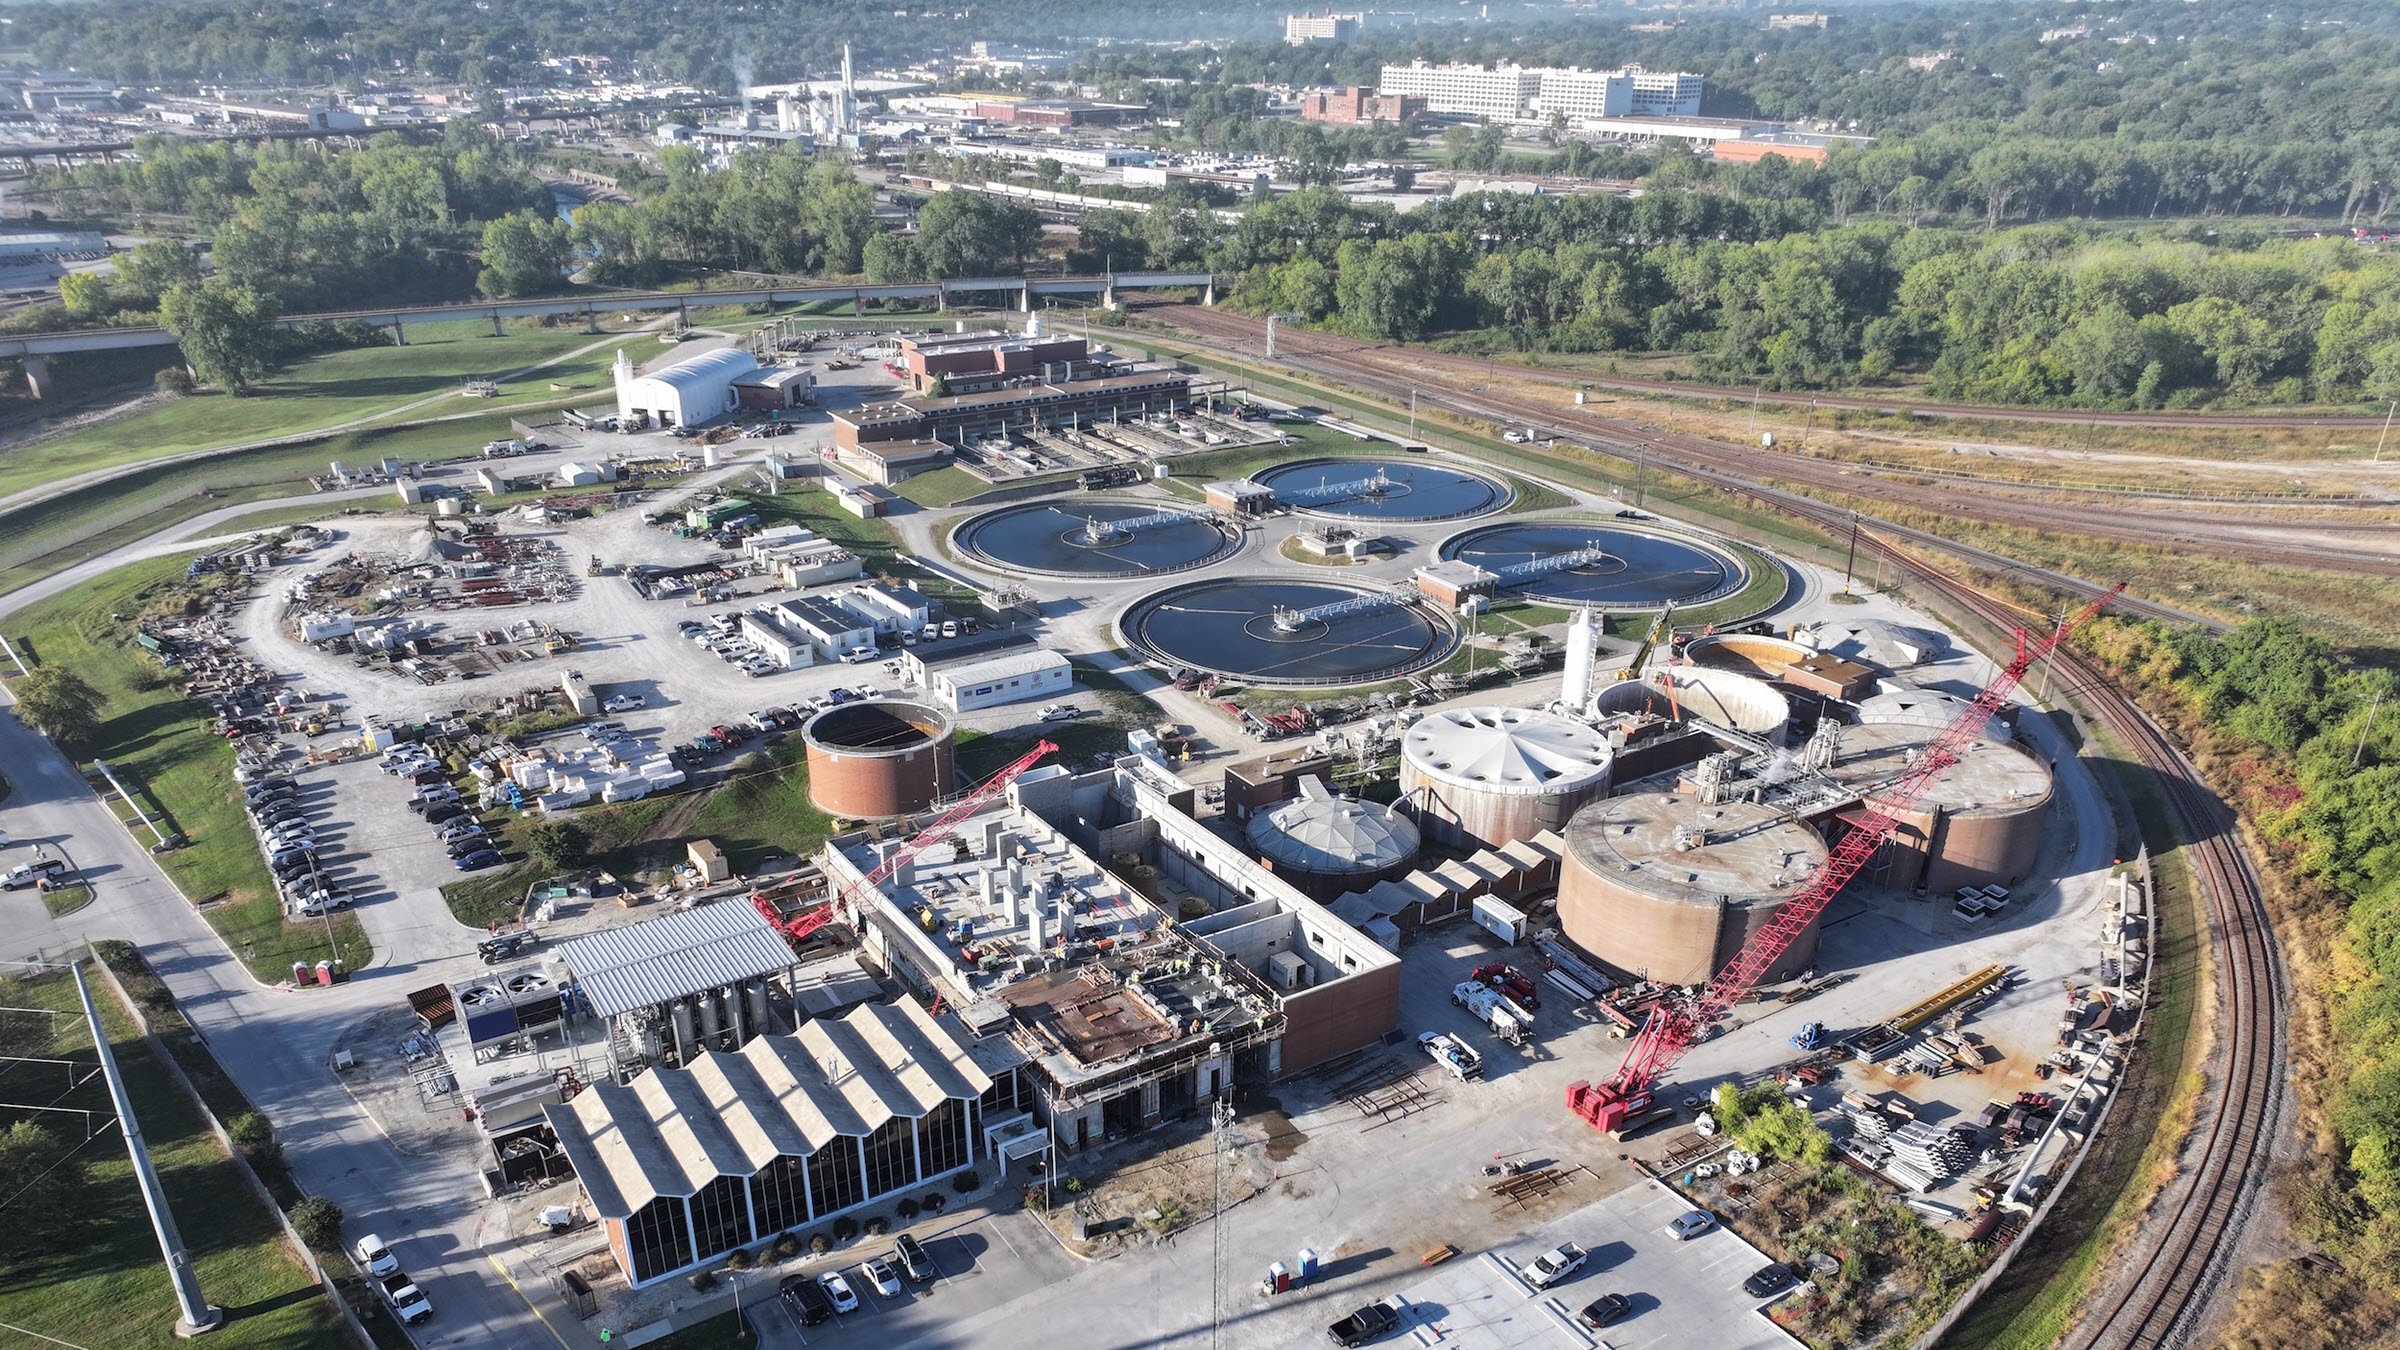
1583, 641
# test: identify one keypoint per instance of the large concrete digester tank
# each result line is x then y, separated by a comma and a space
1485, 777
1758, 656
878, 758
1980, 822
1329, 846
1688, 692
1665, 886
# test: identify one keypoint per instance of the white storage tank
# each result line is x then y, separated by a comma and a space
1486, 777
1329, 846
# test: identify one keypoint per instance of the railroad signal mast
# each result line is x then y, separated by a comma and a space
1669, 1031
800, 926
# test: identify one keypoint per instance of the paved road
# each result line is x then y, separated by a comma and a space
274, 1043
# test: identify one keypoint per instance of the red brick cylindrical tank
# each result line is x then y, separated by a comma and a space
878, 758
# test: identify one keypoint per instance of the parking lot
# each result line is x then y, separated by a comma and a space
985, 1263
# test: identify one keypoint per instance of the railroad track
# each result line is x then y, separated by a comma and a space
2195, 1233
2248, 537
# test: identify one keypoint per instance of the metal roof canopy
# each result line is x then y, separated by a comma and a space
667, 958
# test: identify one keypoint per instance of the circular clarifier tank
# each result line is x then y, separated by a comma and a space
1096, 539
1633, 569
1273, 630
1384, 489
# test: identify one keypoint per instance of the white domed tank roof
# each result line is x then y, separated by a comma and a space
1922, 708
1320, 832
1720, 696
1506, 750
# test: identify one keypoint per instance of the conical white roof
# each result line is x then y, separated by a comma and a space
1506, 749
1319, 832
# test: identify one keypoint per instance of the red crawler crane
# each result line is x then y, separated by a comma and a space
1669, 1031
808, 921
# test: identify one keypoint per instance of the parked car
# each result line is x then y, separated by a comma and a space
1061, 712
1691, 1224
1768, 1279
323, 902
436, 814
477, 861
457, 827
913, 1259
838, 1291
33, 873
502, 946
1555, 1265
881, 1276
1367, 1325
806, 1300
409, 1304
376, 1257
1604, 1310
468, 843
949, 628
860, 655
623, 703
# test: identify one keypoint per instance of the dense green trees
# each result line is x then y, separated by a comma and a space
967, 234
2312, 748
771, 210
227, 331
524, 252
1769, 293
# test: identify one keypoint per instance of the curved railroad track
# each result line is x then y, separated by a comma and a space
2194, 1233
2249, 536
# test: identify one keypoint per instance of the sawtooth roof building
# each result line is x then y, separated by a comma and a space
684, 1165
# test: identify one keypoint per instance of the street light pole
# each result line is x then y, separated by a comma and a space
1852, 560
2387, 431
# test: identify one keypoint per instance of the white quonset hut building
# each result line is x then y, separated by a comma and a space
693, 389
685, 1165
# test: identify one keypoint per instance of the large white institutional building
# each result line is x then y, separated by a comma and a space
1533, 94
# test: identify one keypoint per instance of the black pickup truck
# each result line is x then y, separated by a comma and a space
1369, 1324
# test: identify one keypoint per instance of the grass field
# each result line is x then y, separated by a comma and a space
319, 392
50, 535
160, 741
101, 1283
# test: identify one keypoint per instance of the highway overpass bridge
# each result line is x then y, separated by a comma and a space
33, 349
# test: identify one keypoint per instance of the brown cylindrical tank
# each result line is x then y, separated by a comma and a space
1487, 777
878, 758
1663, 887
1980, 822
1760, 657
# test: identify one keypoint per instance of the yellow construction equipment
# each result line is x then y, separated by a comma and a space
1980, 982
1657, 634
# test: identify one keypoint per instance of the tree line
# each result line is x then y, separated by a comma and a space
2310, 747
1770, 292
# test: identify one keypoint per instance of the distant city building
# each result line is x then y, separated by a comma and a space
1526, 94
1816, 20
1356, 104
1931, 60
1327, 29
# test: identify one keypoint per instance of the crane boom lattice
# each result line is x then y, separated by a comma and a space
1669, 1031
809, 921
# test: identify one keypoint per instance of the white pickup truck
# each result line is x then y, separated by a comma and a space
1455, 1056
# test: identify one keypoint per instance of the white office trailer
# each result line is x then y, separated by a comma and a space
1533, 94
1003, 679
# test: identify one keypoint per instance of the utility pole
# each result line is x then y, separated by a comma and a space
198, 1316
2387, 431
1852, 560
1810, 424
1220, 1121
1412, 412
